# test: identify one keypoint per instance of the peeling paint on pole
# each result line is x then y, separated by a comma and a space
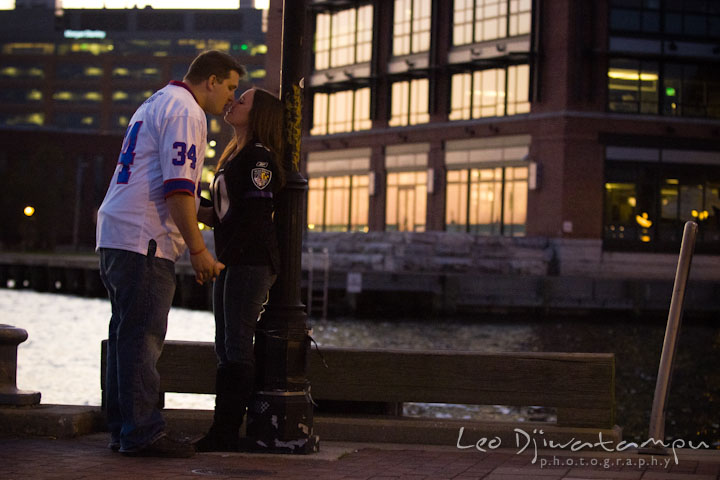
293, 125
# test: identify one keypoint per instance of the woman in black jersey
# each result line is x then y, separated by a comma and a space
249, 175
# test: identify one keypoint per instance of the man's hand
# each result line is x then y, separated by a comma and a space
205, 266
182, 210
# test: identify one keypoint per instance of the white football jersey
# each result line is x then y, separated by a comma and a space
162, 154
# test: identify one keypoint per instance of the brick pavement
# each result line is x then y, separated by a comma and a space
88, 457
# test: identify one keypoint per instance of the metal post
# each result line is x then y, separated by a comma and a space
667, 358
10, 338
78, 203
280, 416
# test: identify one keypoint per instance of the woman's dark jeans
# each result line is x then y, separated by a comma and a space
239, 296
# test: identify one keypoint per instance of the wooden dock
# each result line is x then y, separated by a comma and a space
382, 293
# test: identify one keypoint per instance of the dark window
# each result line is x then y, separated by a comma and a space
647, 205
700, 18
165, 21
213, 21
20, 95
112, 20
687, 90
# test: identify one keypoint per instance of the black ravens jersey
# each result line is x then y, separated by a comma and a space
243, 194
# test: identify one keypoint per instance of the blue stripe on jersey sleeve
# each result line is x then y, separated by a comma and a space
179, 185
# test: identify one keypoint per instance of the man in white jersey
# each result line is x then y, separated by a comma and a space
147, 219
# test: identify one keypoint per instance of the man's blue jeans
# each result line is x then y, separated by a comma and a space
239, 296
141, 290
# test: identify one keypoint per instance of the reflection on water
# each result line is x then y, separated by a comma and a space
61, 358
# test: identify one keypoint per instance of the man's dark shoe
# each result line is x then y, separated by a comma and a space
114, 445
164, 447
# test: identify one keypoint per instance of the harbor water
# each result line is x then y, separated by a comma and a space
61, 357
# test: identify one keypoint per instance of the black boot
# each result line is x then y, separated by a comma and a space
233, 388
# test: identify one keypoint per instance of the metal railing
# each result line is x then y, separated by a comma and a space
667, 358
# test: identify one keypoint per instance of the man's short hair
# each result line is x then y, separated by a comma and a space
213, 62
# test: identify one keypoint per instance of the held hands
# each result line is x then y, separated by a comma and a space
205, 266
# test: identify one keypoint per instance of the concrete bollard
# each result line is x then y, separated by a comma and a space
10, 338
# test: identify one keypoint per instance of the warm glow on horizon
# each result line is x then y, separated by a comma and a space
159, 4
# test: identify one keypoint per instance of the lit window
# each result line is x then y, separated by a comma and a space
316, 204
9, 72
520, 19
20, 95
222, 45
633, 86
35, 119
122, 121
93, 97
344, 37
490, 93
411, 27
93, 72
28, 48
21, 71
518, 89
487, 201
258, 50
258, 74
215, 125
344, 111
77, 71
94, 48
406, 198
338, 203
456, 201
141, 72
410, 102
63, 96
76, 120
476, 21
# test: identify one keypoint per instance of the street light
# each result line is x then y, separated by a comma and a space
29, 211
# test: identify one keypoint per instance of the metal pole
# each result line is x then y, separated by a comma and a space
10, 338
280, 416
78, 203
667, 358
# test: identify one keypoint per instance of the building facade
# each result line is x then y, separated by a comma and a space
570, 119
69, 82
595, 121
89, 69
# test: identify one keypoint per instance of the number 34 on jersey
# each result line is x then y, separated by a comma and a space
127, 157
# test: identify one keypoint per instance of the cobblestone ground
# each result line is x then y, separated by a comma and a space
89, 458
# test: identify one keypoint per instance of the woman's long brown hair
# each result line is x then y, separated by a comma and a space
265, 124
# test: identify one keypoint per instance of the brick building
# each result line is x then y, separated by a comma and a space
569, 119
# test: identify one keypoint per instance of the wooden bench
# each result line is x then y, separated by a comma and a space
579, 386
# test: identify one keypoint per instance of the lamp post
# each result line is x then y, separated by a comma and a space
280, 416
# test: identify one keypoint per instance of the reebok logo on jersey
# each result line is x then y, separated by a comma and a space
261, 177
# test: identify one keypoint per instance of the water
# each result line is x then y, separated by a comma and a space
61, 357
